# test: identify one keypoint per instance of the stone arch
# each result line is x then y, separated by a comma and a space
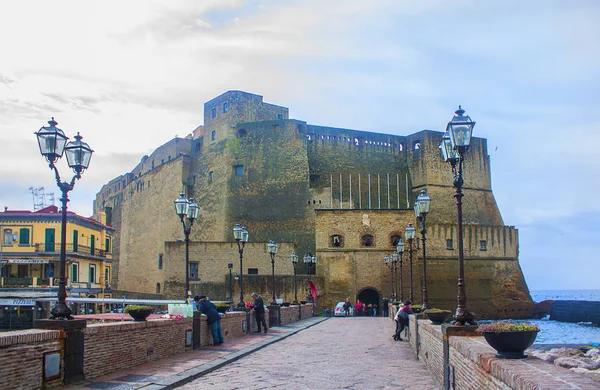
370, 295
336, 239
241, 133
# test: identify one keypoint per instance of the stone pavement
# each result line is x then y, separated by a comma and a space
176, 370
341, 353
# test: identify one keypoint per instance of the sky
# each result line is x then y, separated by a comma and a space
131, 75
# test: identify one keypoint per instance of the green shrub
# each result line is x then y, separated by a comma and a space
504, 326
437, 311
136, 307
222, 307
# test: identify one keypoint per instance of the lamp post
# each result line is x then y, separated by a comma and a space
53, 143
294, 259
230, 267
454, 145
421, 210
240, 235
272, 249
400, 251
310, 262
187, 210
409, 235
391, 264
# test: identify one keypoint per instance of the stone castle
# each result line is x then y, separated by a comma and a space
343, 195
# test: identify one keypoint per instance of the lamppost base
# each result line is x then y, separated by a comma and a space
463, 317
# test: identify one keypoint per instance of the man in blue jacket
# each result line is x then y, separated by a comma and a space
213, 318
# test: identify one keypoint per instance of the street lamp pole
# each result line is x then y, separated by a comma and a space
53, 143
409, 235
240, 235
421, 210
390, 264
230, 266
294, 259
187, 210
272, 249
400, 251
453, 146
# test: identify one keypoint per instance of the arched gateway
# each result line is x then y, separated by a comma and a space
370, 295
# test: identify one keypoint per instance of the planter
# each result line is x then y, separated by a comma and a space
140, 315
438, 317
510, 344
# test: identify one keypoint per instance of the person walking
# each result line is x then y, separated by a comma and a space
213, 318
259, 312
385, 307
401, 318
347, 306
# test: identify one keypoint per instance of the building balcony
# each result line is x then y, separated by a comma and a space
52, 282
72, 249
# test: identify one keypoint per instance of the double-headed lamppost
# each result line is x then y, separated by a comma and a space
390, 262
240, 235
400, 251
311, 262
409, 235
454, 145
53, 143
272, 249
294, 259
421, 210
187, 210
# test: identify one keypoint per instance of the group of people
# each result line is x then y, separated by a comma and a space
213, 317
360, 309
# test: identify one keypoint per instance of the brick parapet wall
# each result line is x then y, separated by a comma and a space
115, 346
22, 358
231, 327
290, 314
475, 366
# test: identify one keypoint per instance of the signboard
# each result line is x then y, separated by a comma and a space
183, 309
17, 302
25, 261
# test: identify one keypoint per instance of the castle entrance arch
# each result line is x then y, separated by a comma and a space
370, 295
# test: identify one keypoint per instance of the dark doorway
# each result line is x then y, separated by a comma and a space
369, 296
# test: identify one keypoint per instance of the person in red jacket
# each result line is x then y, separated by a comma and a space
401, 318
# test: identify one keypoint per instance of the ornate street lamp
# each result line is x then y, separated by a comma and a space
421, 210
187, 210
53, 143
394, 259
390, 262
400, 251
230, 267
409, 236
294, 259
272, 249
311, 262
240, 235
454, 145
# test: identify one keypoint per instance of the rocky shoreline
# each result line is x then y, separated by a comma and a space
585, 363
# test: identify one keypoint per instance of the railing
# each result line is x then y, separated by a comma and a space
80, 249
18, 281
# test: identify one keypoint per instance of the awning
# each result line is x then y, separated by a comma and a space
78, 290
26, 261
17, 302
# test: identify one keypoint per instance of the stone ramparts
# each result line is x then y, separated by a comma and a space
576, 311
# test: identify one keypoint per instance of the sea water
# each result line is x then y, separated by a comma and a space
556, 332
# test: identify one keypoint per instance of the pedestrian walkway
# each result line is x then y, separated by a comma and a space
179, 369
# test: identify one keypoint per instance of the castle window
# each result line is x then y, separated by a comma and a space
152, 164
213, 135
241, 133
395, 239
483, 245
417, 145
211, 176
160, 261
198, 145
158, 288
367, 240
252, 271
336, 241
213, 112
279, 116
225, 107
449, 244
194, 271
400, 147
239, 170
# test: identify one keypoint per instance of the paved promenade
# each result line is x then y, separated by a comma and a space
314, 353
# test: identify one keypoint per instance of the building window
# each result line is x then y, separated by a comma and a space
395, 239
23, 271
213, 135
241, 133
483, 245
336, 241
92, 274
214, 112
194, 271
8, 237
92, 244
211, 176
158, 288
74, 272
417, 145
449, 244
160, 261
239, 170
107, 277
367, 240
225, 108
279, 116
75, 240
107, 245
49, 270
252, 271
24, 236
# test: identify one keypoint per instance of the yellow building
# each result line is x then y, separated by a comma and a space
30, 253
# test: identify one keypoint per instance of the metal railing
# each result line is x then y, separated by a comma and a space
79, 249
